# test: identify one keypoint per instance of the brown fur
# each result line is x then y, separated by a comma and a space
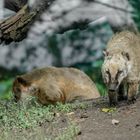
51, 85
122, 57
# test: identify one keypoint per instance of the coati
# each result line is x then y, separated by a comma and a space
52, 84
121, 67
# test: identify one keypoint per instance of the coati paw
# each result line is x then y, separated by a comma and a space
121, 98
113, 103
131, 100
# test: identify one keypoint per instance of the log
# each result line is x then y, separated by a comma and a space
14, 5
15, 28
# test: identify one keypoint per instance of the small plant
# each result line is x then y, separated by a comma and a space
13, 115
69, 133
70, 107
23, 117
29, 113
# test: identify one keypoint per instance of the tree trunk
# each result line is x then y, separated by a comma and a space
16, 27
14, 5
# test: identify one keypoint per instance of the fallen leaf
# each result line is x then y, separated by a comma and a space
105, 110
108, 110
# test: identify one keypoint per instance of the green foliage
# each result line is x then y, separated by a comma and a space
136, 12
20, 116
102, 89
94, 72
69, 133
29, 113
70, 107
5, 89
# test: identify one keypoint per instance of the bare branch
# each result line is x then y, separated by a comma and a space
112, 6
14, 5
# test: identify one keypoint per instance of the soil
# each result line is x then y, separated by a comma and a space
94, 121
97, 125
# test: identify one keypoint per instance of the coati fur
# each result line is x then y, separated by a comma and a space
52, 84
121, 67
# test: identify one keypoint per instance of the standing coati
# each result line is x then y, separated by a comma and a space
121, 67
51, 85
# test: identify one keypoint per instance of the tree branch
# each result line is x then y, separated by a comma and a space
111, 6
15, 28
14, 5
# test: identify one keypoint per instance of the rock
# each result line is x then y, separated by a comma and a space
115, 122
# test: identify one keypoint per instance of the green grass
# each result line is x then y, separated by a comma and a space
26, 117
69, 133
20, 116
70, 107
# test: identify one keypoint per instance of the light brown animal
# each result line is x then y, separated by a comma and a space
121, 67
51, 85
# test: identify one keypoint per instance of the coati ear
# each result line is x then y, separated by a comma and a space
22, 81
125, 54
105, 53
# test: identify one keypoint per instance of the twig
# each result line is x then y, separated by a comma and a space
111, 6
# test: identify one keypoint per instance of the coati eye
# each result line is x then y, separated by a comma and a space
108, 76
107, 72
120, 71
118, 74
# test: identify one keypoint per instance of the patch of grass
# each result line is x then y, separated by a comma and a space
30, 114
70, 107
69, 133
19, 116
25, 120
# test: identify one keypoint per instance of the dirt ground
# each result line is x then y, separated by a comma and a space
97, 125
94, 123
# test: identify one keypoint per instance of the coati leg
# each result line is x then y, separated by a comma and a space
113, 101
119, 95
122, 92
133, 89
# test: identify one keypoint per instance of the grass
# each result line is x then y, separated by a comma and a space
23, 115
70, 107
20, 116
67, 133
27, 119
